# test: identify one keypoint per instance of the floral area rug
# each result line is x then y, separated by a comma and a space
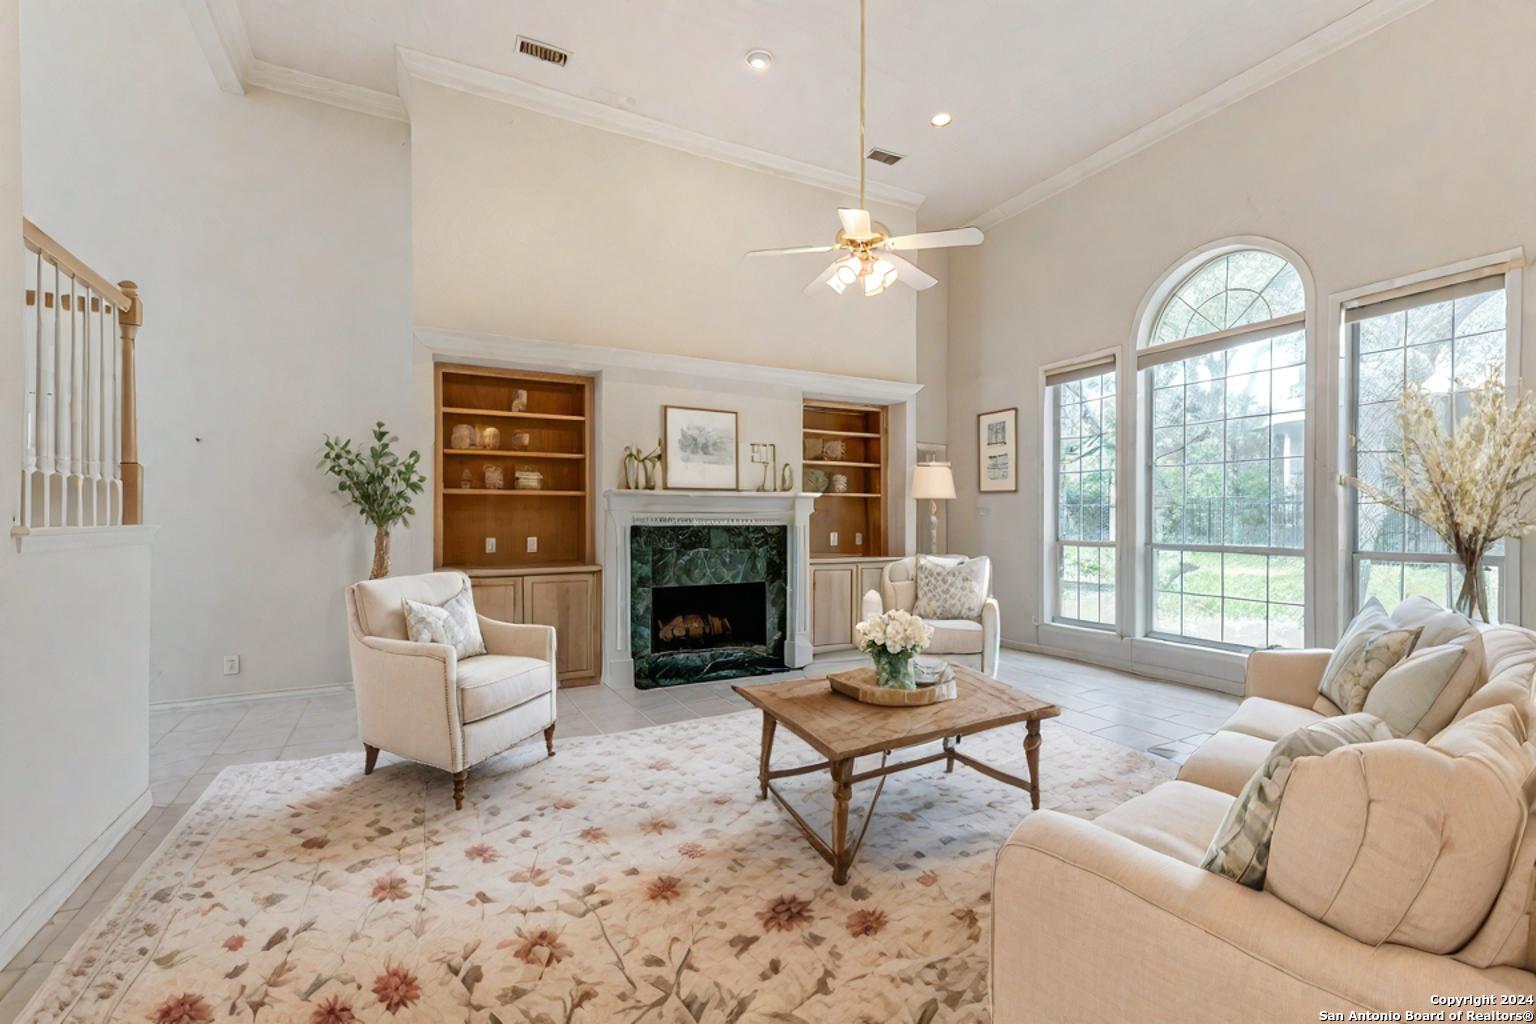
633, 878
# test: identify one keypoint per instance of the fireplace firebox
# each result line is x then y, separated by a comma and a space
712, 615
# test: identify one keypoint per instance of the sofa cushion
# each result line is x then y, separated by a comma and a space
1226, 761
492, 683
950, 591
1505, 939
1269, 719
1401, 841
954, 636
1240, 848
1420, 695
1436, 624
1176, 819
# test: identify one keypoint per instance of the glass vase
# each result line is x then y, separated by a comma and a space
895, 671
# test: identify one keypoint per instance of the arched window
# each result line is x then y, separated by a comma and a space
1225, 360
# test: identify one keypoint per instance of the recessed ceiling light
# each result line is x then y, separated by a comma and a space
759, 60
939, 120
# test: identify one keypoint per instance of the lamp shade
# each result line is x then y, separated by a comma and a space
933, 480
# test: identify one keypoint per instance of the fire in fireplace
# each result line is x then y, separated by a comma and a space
708, 616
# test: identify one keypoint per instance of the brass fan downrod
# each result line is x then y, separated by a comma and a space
863, 29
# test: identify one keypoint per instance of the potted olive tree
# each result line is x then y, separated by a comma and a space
379, 482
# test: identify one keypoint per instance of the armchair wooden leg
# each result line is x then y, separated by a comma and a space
458, 789
549, 738
370, 758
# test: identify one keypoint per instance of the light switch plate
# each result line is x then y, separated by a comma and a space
231, 664
533, 545
833, 541
858, 539
490, 545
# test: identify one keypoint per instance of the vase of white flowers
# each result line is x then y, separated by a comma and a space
1473, 485
892, 640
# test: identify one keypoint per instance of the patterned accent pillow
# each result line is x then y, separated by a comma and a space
453, 623
1363, 655
1240, 848
950, 591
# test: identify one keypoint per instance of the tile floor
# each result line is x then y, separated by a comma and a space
188, 748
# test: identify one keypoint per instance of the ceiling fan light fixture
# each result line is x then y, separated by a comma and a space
847, 272
940, 120
759, 60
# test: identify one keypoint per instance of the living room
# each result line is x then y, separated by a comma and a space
767, 512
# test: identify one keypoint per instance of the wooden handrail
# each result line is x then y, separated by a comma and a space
37, 240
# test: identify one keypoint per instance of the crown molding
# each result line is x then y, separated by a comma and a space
451, 74
558, 357
325, 90
1351, 28
220, 32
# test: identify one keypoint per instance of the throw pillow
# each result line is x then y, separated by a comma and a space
950, 591
1406, 842
1420, 695
453, 623
1369, 646
1240, 848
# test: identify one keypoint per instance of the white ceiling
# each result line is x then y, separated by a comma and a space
1035, 86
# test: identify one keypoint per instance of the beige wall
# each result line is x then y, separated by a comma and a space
270, 238
534, 227
1409, 150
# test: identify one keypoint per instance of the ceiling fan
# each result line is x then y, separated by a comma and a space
870, 247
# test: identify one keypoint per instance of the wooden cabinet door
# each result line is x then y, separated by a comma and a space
569, 602
499, 599
832, 606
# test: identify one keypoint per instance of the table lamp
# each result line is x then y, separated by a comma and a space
933, 481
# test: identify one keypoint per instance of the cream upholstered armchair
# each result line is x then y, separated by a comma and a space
965, 641
420, 701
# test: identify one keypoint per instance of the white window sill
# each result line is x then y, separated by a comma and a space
1163, 659
76, 538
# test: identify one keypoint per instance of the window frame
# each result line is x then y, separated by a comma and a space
1349, 553
1110, 368
1145, 357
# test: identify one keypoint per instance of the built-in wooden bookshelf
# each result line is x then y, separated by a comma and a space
556, 584
858, 515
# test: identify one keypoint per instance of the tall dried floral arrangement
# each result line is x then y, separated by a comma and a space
1472, 486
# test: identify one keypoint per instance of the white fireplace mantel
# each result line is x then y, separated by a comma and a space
623, 509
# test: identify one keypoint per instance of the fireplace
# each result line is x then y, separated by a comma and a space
711, 615
706, 602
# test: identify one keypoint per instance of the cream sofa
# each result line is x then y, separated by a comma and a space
963, 641
1113, 919
422, 702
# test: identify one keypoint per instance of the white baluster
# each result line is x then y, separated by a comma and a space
87, 413
104, 407
47, 357
116, 392
29, 402
72, 408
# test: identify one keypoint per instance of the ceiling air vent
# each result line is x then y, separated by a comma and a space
542, 51
883, 156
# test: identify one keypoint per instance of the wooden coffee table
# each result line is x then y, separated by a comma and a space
842, 729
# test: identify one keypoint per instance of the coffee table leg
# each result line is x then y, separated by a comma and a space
841, 792
769, 724
1032, 755
949, 749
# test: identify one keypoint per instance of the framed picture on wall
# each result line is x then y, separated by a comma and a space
699, 449
997, 450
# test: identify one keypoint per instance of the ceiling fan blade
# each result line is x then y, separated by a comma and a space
935, 239
855, 222
910, 274
825, 276
792, 250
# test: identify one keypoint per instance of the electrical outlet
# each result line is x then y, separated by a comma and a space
833, 542
231, 664
533, 545
858, 539
490, 545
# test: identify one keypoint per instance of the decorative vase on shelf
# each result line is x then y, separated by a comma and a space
495, 478
467, 480
490, 438
631, 468
839, 483
463, 437
520, 440
787, 478
520, 400
834, 449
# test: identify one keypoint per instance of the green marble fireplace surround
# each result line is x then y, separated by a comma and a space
712, 561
